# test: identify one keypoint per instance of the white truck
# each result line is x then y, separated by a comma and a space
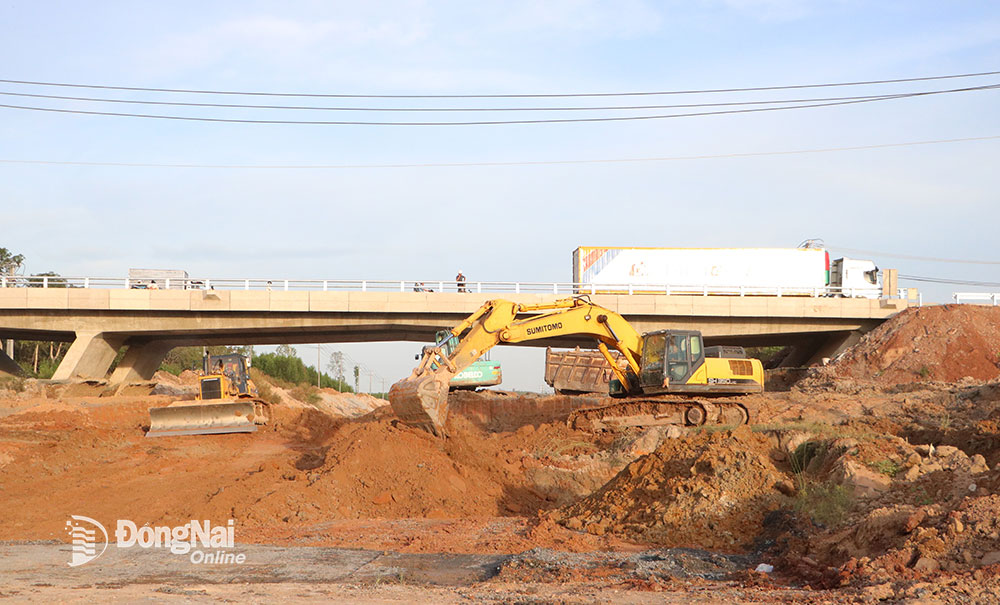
174, 279
735, 271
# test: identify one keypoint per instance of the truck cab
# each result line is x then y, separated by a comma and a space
855, 278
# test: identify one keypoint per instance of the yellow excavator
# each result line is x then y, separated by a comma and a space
226, 402
669, 378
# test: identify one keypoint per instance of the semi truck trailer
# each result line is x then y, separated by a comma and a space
806, 271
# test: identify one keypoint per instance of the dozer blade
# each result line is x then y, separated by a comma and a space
234, 416
422, 401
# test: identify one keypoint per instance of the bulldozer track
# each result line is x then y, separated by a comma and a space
644, 412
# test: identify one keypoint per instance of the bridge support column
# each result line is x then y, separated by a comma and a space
89, 356
140, 362
8, 365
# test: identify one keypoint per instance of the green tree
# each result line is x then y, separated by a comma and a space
39, 358
336, 365
286, 351
190, 358
10, 262
49, 279
293, 370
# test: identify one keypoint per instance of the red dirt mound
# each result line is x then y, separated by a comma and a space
711, 491
945, 343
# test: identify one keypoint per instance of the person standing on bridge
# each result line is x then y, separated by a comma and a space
460, 280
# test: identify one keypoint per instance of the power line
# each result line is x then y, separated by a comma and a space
362, 368
501, 96
515, 163
931, 259
496, 122
944, 280
438, 109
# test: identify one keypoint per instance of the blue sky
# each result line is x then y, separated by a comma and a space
495, 223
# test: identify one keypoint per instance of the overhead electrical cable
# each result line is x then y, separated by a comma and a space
931, 259
498, 122
944, 280
501, 96
443, 109
512, 163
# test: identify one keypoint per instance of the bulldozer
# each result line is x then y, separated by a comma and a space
226, 402
668, 376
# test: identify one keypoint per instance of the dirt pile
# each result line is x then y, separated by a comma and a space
711, 490
306, 466
924, 510
944, 343
495, 410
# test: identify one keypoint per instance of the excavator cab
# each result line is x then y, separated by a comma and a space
669, 357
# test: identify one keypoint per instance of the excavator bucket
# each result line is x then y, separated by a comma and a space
188, 418
422, 401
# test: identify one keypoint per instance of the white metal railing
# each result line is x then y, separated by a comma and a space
983, 298
430, 286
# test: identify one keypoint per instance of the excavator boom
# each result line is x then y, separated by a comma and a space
421, 400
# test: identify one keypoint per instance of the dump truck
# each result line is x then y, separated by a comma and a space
668, 379
803, 271
579, 370
226, 402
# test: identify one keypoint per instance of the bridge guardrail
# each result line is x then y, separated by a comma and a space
430, 286
990, 298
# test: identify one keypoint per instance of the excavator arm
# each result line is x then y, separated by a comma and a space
421, 400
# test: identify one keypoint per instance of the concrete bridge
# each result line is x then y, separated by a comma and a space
98, 322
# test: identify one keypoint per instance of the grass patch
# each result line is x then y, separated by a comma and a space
888, 468
827, 504
830, 431
306, 393
802, 456
558, 447
715, 428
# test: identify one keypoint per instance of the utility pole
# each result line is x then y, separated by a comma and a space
370, 376
318, 374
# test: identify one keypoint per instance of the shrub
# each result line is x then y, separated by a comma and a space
826, 503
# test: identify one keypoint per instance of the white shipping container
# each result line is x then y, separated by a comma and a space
801, 271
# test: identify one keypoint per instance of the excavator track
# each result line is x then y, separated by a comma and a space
645, 412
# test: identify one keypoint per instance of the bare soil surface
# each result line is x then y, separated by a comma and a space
869, 479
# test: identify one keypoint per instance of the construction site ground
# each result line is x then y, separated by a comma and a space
875, 478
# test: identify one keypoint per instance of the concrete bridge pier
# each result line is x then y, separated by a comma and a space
812, 351
8, 365
90, 355
141, 361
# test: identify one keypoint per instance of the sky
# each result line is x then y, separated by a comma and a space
360, 219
